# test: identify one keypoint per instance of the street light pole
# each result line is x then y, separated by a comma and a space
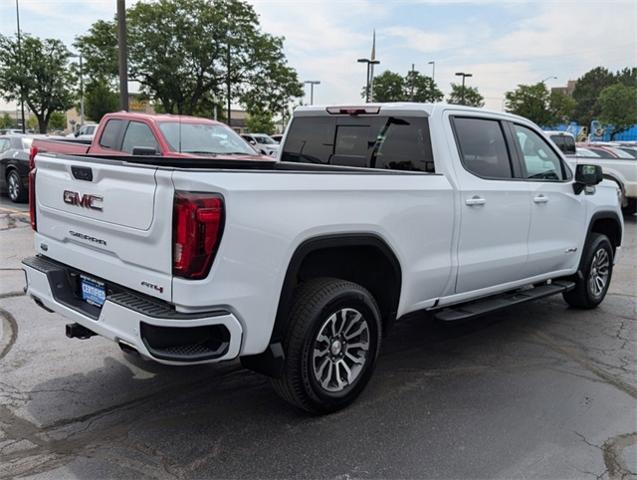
17, 16
549, 78
122, 54
463, 75
311, 83
433, 70
367, 83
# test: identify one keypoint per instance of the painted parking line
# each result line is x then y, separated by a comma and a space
13, 211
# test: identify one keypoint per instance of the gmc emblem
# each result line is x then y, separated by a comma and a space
94, 202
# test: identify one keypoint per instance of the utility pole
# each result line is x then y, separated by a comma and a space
433, 70
463, 75
17, 15
311, 83
228, 85
413, 80
122, 54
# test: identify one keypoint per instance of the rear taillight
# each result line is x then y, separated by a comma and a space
34, 152
197, 227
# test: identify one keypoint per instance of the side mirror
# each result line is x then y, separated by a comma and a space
147, 151
587, 176
77, 133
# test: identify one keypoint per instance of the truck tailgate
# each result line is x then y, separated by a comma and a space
107, 218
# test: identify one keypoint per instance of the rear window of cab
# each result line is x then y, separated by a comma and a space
378, 141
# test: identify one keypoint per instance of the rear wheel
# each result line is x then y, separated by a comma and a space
17, 192
331, 345
596, 267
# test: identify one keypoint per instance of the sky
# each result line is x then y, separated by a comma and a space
502, 43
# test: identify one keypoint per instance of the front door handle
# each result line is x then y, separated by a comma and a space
540, 198
475, 200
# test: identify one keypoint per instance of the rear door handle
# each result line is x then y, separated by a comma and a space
540, 198
475, 200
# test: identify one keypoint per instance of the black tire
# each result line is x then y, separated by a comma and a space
317, 302
15, 190
584, 295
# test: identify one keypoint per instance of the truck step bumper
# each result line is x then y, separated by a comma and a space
152, 328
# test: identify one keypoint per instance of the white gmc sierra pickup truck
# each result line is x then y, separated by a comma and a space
299, 266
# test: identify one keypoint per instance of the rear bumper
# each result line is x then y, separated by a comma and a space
152, 328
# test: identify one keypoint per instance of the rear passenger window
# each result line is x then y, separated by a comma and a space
385, 142
111, 134
482, 147
138, 135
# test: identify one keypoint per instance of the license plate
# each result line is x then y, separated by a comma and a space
93, 291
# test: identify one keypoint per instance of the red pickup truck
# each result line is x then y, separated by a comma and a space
125, 133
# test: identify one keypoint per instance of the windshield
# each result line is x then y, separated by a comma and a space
264, 139
621, 153
26, 143
204, 138
585, 152
630, 151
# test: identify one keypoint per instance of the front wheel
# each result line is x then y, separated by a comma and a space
331, 345
596, 267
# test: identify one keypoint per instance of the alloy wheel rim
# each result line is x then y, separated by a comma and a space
13, 187
340, 350
599, 272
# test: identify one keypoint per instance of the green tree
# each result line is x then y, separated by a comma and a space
42, 74
99, 100
6, 121
618, 107
530, 101
587, 92
388, 87
536, 103
32, 122
260, 122
392, 87
562, 107
472, 97
627, 76
191, 54
98, 48
421, 88
57, 121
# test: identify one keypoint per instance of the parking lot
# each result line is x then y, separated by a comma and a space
535, 391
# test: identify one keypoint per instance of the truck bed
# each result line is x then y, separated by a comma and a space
71, 146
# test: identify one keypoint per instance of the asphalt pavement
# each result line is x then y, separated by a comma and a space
536, 391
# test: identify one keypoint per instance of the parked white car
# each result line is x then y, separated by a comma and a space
619, 164
299, 267
262, 142
85, 132
565, 141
